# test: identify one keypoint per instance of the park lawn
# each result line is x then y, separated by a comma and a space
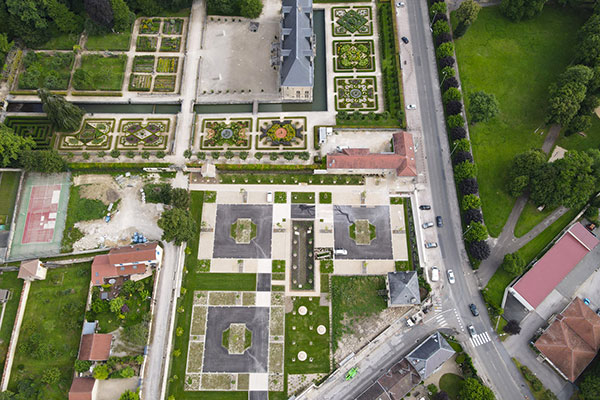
352, 298
536, 245
303, 197
9, 280
79, 209
530, 217
591, 140
494, 290
106, 73
451, 384
60, 42
302, 336
110, 41
51, 329
504, 58
9, 187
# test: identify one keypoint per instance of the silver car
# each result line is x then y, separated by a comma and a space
430, 245
427, 225
451, 276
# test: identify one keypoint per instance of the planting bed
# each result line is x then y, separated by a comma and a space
140, 82
349, 21
354, 56
49, 70
165, 83
146, 43
219, 134
100, 72
149, 26
95, 134
355, 94
288, 133
303, 264
135, 134
167, 64
170, 44
144, 64
173, 26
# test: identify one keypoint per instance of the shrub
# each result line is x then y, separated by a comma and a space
443, 38
145, 154
101, 153
461, 156
82, 365
201, 156
449, 82
464, 170
160, 154
470, 202
101, 372
468, 186
258, 155
479, 250
130, 154
475, 232
228, 154
458, 133
289, 155
115, 153
446, 62
453, 107
461, 145
451, 94
454, 121
473, 215
440, 27
215, 155
448, 71
187, 153
444, 50
243, 155
274, 156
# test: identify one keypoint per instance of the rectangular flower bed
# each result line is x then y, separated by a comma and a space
354, 56
220, 134
355, 94
350, 21
143, 64
167, 64
137, 134
140, 82
170, 44
165, 83
172, 26
146, 43
149, 25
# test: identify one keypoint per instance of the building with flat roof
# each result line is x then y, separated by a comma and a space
533, 287
362, 161
297, 50
403, 288
572, 340
133, 261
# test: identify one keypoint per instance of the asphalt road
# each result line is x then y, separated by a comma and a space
491, 359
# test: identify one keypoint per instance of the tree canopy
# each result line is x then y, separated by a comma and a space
472, 389
483, 106
517, 10
64, 116
178, 226
513, 263
12, 145
48, 161
466, 14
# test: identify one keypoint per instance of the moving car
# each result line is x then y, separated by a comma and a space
405, 39
451, 276
438, 221
425, 207
411, 107
431, 245
427, 225
435, 274
471, 330
473, 309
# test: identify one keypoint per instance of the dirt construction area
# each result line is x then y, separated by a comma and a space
130, 215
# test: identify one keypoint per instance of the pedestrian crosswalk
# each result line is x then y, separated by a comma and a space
480, 339
437, 303
441, 321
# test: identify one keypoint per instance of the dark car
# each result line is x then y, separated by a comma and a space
405, 39
438, 221
473, 309
425, 207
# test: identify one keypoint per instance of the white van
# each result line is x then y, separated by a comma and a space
435, 274
269, 197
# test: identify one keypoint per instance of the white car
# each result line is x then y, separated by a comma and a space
451, 276
435, 274
427, 225
411, 107
431, 245
400, 4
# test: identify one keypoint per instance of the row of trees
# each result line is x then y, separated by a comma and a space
465, 170
34, 21
242, 8
569, 181
177, 223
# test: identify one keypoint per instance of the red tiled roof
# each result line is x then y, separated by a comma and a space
402, 159
552, 268
95, 347
572, 340
106, 265
81, 389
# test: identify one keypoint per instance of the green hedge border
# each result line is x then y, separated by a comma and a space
371, 44
335, 87
353, 7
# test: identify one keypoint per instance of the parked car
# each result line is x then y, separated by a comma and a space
471, 330
473, 309
431, 245
451, 276
427, 225
425, 207
269, 197
405, 39
438, 221
400, 4
598, 311
341, 252
435, 274
411, 107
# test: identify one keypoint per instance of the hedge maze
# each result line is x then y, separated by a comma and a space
38, 128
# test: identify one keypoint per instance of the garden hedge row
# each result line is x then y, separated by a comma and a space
267, 167
465, 170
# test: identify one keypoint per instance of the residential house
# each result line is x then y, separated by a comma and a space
32, 270
95, 347
83, 389
403, 288
133, 261
429, 356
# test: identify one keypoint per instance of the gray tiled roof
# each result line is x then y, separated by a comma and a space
430, 355
297, 48
404, 287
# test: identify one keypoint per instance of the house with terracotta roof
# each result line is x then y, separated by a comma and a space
572, 340
32, 270
533, 287
361, 161
83, 389
133, 261
95, 347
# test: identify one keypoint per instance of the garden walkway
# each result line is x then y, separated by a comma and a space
507, 242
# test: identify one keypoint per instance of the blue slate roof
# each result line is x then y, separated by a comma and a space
297, 44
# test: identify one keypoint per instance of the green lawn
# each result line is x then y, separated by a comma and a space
60, 42
303, 197
530, 217
101, 73
451, 384
354, 297
79, 209
302, 336
51, 329
9, 186
110, 41
280, 197
535, 246
578, 142
504, 58
8, 280
494, 290
49, 70
325, 198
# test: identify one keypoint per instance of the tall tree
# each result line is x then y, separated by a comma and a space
178, 226
520, 9
483, 106
65, 116
512, 327
27, 21
100, 11
472, 389
590, 387
250, 8
513, 263
523, 168
12, 145
588, 44
66, 21
465, 15
48, 161
122, 15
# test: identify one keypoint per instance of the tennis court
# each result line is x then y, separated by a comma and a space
41, 216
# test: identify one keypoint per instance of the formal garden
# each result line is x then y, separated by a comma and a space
352, 21
95, 134
281, 134
352, 56
303, 261
218, 134
355, 94
40, 129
